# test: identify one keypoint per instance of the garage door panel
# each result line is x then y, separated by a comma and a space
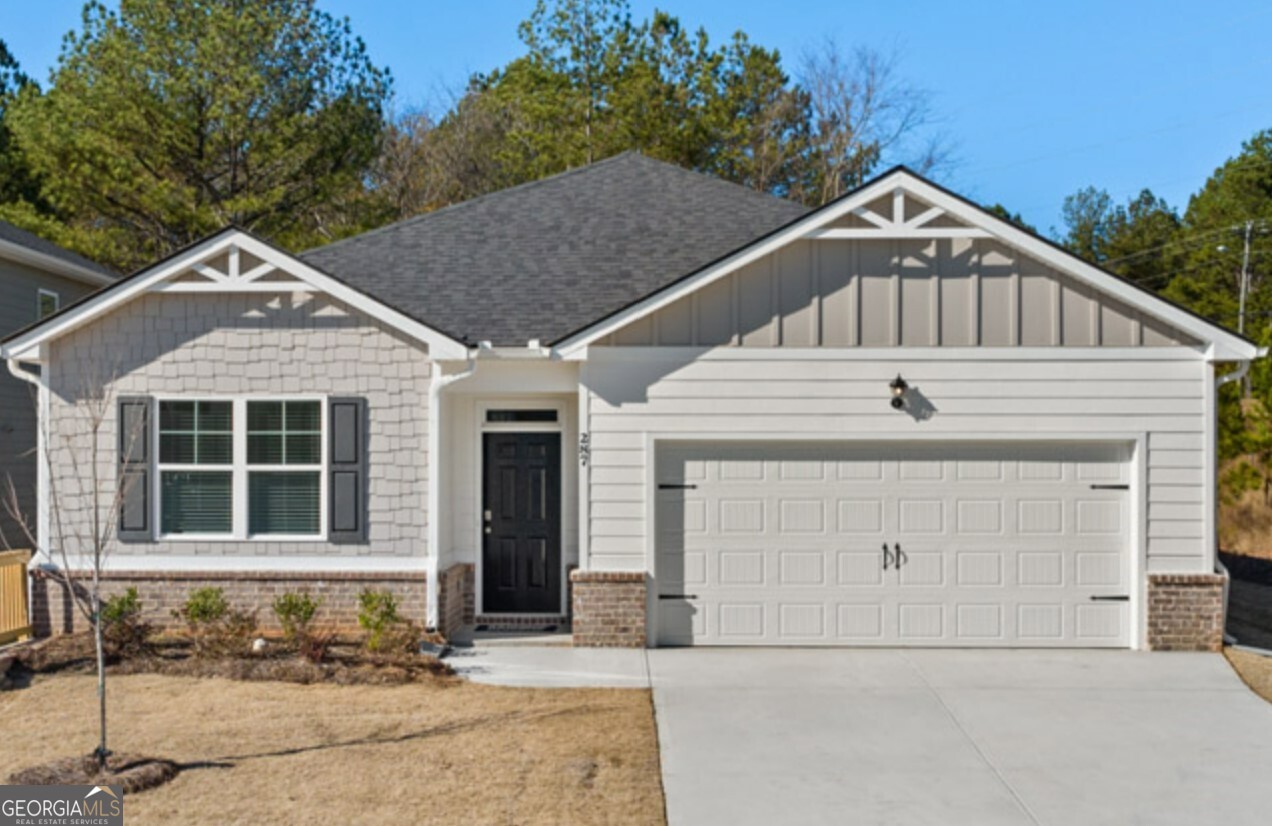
859, 623
999, 545
859, 516
979, 568
979, 621
860, 568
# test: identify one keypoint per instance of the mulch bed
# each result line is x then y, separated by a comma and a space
347, 663
134, 772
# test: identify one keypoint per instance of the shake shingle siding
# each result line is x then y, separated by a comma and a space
547, 258
221, 346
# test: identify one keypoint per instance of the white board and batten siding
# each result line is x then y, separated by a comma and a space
910, 293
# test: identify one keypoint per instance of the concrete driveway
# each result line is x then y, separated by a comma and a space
960, 737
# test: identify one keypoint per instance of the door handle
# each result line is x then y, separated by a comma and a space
887, 557
901, 557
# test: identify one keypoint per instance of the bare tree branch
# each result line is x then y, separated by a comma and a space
864, 113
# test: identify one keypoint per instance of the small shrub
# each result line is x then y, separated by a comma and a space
377, 614
314, 645
387, 631
401, 637
123, 630
215, 629
204, 606
295, 612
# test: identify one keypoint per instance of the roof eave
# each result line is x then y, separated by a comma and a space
51, 263
25, 343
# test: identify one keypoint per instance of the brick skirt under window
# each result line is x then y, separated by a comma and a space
163, 592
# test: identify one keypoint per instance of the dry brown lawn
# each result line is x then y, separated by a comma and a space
1254, 669
279, 753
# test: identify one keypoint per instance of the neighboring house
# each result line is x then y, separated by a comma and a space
893, 420
37, 278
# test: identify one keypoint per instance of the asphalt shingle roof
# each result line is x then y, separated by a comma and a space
14, 235
544, 259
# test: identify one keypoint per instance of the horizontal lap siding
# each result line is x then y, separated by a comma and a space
19, 288
631, 398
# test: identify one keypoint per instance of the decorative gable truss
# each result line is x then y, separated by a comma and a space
235, 270
903, 262
895, 216
232, 261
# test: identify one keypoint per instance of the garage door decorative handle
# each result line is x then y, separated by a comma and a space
887, 557
901, 556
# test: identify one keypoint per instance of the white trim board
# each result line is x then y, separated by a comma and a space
1223, 345
911, 354
27, 345
314, 564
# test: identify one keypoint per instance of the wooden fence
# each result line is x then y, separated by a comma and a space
15, 623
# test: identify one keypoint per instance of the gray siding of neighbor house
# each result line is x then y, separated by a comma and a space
881, 293
220, 345
19, 287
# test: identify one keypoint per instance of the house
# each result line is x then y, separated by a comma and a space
36, 278
669, 408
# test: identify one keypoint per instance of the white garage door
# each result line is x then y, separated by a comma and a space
939, 545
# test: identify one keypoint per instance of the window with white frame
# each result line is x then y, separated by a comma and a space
284, 467
196, 467
241, 469
47, 302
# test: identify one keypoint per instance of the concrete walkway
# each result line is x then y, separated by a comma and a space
959, 737
551, 666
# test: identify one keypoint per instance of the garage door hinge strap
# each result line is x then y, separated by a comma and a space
675, 486
1119, 598
1110, 487
677, 596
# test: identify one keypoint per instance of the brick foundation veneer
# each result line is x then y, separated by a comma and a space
457, 600
609, 609
1185, 612
161, 592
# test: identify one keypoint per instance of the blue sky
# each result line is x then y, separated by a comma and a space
1040, 99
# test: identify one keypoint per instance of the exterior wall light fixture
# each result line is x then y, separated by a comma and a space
899, 387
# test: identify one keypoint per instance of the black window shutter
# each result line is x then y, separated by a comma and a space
136, 470
347, 466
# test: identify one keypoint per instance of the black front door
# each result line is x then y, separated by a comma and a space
521, 523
